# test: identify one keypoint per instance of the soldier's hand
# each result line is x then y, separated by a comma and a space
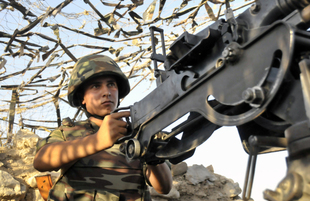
111, 129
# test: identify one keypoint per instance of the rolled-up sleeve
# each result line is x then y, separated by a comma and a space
54, 136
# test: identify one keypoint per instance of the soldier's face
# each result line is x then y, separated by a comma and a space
101, 95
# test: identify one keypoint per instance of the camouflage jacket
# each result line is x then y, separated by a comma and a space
106, 175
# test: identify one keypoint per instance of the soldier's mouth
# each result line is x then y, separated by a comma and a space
107, 102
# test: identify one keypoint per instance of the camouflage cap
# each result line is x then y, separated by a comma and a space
93, 66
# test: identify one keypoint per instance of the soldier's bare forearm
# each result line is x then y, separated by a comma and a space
160, 177
58, 154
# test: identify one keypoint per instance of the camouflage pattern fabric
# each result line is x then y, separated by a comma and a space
106, 175
92, 66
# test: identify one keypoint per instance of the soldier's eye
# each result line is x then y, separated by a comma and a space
111, 84
95, 86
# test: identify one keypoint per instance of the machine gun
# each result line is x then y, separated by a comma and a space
252, 72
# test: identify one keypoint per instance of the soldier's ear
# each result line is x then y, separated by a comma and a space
83, 103
80, 96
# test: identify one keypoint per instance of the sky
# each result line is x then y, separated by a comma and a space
223, 150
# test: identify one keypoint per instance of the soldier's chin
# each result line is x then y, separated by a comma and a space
104, 111
101, 113
107, 112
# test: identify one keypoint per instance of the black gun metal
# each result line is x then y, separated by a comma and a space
252, 72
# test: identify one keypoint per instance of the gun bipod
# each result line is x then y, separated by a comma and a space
250, 172
254, 144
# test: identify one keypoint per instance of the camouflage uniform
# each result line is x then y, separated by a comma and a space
106, 175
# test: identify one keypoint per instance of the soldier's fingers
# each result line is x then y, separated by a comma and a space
122, 130
121, 123
119, 115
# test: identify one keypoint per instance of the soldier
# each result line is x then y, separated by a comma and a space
92, 165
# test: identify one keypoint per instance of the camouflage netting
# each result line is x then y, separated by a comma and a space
41, 40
